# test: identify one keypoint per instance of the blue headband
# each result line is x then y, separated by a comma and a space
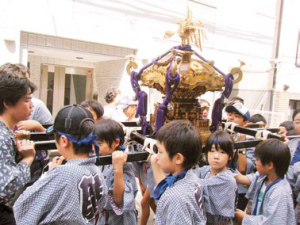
88, 140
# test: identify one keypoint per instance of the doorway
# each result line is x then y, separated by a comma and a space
62, 86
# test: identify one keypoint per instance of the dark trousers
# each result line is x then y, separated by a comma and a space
6, 215
242, 202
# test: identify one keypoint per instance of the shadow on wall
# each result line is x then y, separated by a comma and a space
10, 46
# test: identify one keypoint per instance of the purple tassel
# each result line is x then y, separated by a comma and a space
142, 102
146, 128
216, 115
142, 106
160, 115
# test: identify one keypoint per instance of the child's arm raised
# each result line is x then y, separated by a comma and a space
157, 171
242, 179
119, 158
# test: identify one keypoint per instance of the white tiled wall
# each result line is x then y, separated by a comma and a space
31, 39
106, 73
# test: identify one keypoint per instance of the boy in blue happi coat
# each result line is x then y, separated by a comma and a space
71, 193
179, 195
270, 191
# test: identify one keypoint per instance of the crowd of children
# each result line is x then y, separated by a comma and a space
76, 191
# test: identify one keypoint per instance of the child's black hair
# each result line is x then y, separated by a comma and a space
180, 136
289, 126
275, 151
297, 111
109, 130
221, 140
94, 105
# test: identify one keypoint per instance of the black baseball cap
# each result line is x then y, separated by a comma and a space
70, 119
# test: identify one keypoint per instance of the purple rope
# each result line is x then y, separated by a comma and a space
218, 106
134, 78
228, 85
183, 48
141, 96
169, 80
199, 56
162, 109
134, 83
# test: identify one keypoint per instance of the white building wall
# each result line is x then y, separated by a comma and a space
287, 72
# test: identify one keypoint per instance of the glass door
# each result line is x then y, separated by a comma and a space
62, 86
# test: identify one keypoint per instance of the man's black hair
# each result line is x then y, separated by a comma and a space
180, 136
111, 94
221, 140
236, 99
258, 118
275, 151
109, 130
94, 105
204, 101
12, 89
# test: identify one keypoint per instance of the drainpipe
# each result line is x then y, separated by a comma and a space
279, 12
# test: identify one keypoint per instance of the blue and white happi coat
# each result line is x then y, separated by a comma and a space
219, 194
124, 214
143, 170
182, 203
68, 194
293, 177
277, 206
